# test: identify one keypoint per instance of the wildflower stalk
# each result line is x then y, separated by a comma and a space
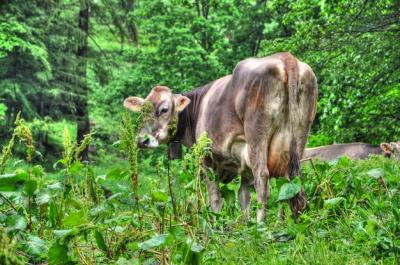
7, 151
25, 135
130, 146
171, 193
129, 132
199, 151
67, 157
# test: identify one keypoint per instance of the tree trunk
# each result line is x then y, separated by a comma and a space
83, 90
203, 9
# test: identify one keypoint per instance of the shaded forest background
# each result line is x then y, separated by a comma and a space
71, 63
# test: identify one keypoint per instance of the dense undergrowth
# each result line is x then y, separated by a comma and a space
154, 211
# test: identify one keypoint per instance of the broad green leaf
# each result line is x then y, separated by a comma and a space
62, 233
376, 173
333, 201
119, 229
124, 261
156, 241
16, 222
116, 173
101, 243
288, 191
67, 234
159, 196
22, 174
196, 247
118, 220
55, 186
133, 246
76, 218
192, 252
58, 254
178, 232
35, 246
30, 187
44, 196
11, 182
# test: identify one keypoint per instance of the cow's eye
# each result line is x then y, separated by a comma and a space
162, 111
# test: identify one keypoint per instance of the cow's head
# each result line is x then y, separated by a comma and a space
391, 149
161, 116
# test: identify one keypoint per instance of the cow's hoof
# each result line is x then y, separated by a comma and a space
243, 219
260, 216
216, 206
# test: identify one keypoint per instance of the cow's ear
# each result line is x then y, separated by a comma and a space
134, 103
387, 149
181, 102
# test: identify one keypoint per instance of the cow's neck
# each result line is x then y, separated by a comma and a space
187, 119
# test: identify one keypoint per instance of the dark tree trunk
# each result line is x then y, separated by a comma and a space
83, 90
203, 9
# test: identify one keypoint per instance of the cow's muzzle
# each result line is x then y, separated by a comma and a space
147, 141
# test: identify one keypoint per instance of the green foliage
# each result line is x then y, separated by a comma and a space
7, 250
352, 47
3, 109
352, 209
88, 212
288, 191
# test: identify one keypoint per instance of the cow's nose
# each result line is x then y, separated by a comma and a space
145, 142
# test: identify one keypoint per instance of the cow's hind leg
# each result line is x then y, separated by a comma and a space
257, 136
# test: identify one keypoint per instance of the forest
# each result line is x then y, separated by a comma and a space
76, 189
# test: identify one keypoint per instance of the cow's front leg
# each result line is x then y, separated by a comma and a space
214, 195
244, 196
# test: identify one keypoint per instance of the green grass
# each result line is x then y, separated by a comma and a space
87, 214
360, 229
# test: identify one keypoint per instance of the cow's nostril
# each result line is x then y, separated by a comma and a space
146, 141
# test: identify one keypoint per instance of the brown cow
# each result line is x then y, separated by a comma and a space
258, 119
352, 151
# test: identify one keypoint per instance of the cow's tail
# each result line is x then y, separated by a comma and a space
299, 202
293, 78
